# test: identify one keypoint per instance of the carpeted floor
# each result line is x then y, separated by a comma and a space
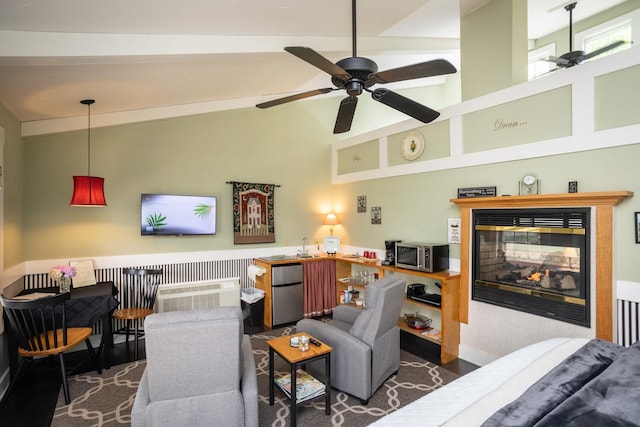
106, 400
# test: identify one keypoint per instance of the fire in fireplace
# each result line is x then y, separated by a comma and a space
533, 260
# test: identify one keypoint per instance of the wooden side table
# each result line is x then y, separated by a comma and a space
296, 358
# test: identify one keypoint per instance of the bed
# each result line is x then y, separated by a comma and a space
560, 381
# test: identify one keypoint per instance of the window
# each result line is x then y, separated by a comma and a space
620, 28
537, 65
590, 40
598, 41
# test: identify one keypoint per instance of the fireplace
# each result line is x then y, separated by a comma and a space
533, 260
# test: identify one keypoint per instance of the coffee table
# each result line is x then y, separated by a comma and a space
297, 358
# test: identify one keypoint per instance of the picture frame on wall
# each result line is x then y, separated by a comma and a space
376, 215
637, 226
362, 204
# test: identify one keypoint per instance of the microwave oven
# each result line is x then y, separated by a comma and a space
422, 256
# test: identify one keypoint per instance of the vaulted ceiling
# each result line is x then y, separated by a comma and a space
162, 54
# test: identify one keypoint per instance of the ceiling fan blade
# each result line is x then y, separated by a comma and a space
345, 114
295, 97
314, 58
603, 49
405, 105
560, 61
425, 69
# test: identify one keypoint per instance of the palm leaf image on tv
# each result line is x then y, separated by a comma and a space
157, 220
202, 210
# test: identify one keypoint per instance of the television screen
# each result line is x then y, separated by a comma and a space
171, 215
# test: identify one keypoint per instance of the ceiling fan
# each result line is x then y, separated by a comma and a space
357, 74
575, 57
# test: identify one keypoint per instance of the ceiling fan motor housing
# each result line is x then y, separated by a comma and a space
359, 68
574, 58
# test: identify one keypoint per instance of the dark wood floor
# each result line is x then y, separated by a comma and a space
35, 394
34, 397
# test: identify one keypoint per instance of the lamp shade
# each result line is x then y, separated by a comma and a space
331, 219
88, 191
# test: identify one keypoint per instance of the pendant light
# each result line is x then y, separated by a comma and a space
88, 190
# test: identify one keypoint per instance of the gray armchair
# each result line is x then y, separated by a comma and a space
366, 343
200, 371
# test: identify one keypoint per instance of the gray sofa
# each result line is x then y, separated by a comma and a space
200, 371
366, 343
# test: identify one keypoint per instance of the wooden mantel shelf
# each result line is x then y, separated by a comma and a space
607, 198
602, 202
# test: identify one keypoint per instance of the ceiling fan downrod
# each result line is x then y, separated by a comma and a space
353, 29
570, 8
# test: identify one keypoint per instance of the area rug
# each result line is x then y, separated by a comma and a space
100, 400
106, 400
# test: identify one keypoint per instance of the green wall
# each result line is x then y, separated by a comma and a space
13, 189
493, 47
193, 155
416, 207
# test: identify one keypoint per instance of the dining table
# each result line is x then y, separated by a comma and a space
86, 306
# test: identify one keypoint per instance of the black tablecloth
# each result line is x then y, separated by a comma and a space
87, 306
90, 303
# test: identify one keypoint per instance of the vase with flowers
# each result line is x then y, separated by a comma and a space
63, 274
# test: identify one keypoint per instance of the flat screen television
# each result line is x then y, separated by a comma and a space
175, 215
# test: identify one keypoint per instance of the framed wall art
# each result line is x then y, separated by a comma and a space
362, 204
376, 215
253, 220
637, 226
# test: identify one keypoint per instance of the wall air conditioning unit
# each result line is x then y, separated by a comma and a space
195, 295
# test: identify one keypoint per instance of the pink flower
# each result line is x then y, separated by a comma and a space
60, 271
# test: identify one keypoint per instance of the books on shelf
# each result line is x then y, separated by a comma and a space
307, 386
433, 333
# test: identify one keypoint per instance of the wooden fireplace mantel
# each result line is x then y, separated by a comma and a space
602, 202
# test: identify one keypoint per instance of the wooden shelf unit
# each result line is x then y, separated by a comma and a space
449, 310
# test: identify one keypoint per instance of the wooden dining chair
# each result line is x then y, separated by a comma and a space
40, 329
137, 301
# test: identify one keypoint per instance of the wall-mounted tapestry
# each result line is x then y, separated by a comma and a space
253, 213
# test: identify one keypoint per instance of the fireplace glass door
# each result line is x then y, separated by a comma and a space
533, 260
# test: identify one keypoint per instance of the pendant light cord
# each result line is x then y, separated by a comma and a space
89, 141
88, 103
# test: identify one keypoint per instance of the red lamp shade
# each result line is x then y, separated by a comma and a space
88, 191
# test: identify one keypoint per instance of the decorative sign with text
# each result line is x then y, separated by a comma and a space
465, 193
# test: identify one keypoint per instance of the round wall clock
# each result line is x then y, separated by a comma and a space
412, 145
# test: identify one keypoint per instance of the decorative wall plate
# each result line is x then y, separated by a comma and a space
412, 145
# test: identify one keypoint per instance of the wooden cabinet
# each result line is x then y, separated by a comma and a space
448, 313
264, 282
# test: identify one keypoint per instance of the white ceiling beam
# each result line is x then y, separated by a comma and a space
22, 44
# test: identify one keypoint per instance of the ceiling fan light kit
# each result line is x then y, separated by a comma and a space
356, 74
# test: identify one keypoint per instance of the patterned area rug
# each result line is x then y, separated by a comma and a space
100, 400
107, 400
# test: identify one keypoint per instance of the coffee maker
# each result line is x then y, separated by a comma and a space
390, 252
